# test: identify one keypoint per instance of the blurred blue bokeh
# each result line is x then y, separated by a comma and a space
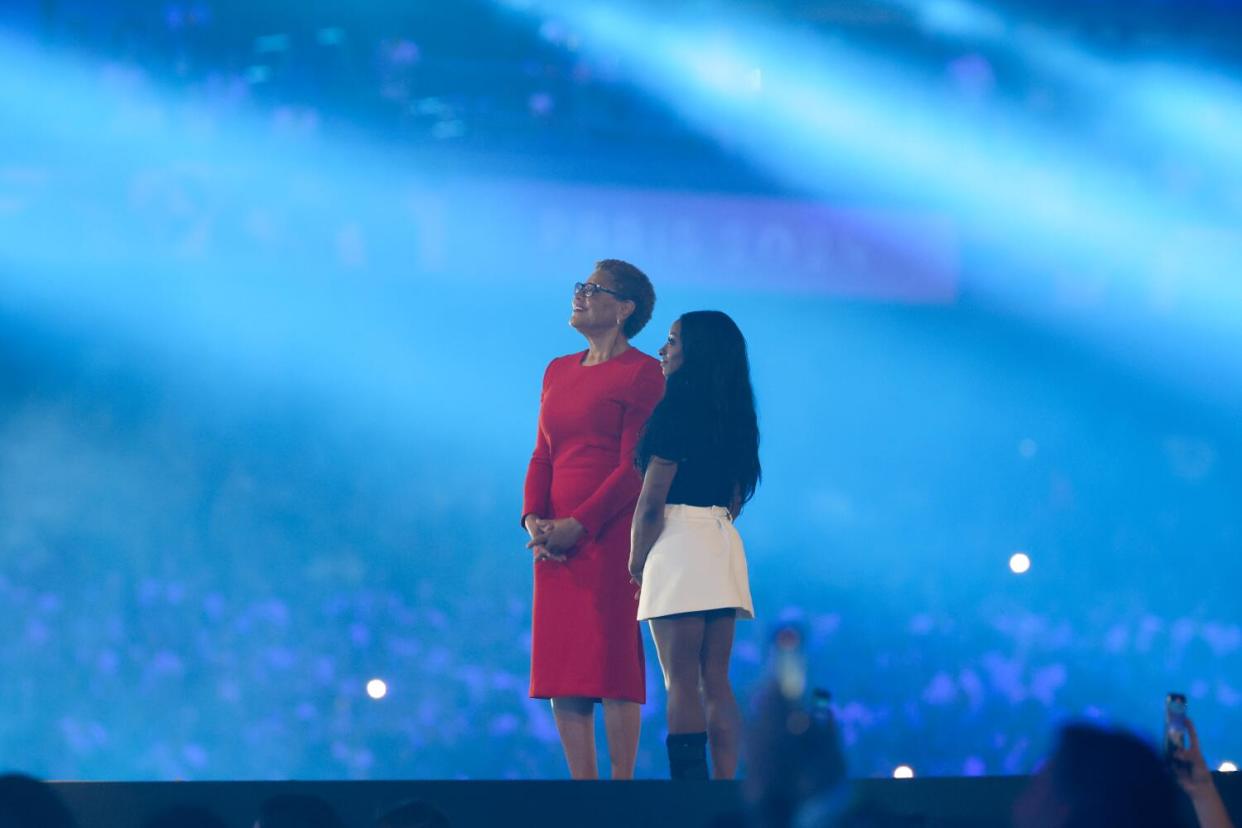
278, 282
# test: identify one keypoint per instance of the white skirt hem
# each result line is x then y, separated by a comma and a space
697, 564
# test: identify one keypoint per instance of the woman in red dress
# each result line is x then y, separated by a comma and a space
581, 488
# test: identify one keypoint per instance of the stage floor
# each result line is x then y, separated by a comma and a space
961, 802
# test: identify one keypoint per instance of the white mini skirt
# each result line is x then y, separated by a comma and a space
697, 564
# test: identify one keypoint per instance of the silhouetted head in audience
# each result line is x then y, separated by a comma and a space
26, 802
184, 816
796, 763
413, 815
297, 811
1100, 778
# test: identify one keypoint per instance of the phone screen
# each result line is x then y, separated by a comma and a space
1176, 737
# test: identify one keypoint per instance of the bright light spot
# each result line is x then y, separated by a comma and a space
1228, 767
903, 772
377, 689
1019, 563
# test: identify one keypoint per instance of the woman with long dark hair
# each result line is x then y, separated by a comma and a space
699, 455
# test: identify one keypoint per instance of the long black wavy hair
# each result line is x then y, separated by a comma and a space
710, 395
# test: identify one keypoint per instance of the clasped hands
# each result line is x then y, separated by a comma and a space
553, 540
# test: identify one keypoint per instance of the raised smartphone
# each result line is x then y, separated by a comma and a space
1176, 735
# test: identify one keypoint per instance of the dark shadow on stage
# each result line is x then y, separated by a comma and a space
956, 802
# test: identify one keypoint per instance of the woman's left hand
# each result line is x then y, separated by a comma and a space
636, 571
557, 536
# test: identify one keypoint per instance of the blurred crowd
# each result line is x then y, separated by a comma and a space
263, 580
145, 679
1095, 777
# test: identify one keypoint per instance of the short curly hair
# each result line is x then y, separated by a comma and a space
634, 286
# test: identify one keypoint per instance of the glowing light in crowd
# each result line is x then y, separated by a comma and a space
1019, 563
903, 772
377, 688
1228, 767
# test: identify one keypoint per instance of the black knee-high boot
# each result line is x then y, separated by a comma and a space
687, 755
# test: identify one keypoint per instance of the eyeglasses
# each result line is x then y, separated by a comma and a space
589, 289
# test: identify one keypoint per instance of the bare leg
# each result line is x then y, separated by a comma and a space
724, 720
679, 643
575, 722
622, 721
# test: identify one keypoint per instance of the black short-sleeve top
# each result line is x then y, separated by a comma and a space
702, 477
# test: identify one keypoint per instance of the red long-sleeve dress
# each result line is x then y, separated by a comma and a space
585, 639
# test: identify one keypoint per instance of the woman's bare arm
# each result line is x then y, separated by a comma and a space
649, 514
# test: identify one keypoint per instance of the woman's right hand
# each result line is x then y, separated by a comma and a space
534, 526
